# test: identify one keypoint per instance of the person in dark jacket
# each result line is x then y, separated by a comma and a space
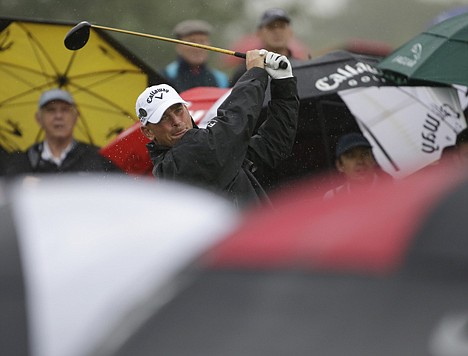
57, 115
191, 68
224, 155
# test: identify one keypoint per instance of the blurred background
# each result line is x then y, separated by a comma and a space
321, 25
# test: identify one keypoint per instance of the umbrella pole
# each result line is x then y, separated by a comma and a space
392, 162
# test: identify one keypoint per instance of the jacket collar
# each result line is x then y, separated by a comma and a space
157, 152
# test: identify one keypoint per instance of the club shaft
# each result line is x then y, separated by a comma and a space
167, 39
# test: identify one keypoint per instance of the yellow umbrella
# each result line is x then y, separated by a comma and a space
104, 78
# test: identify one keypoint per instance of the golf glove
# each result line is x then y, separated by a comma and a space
272, 63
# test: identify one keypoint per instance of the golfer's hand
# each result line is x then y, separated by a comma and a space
272, 63
254, 59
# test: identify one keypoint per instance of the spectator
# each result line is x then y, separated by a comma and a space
57, 115
356, 162
224, 156
275, 33
190, 69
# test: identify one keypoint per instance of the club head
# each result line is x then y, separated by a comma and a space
78, 36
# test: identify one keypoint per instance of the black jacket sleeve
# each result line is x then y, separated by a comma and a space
275, 137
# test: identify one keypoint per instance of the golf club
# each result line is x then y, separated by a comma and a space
78, 36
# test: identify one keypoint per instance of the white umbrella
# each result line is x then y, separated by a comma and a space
95, 250
408, 127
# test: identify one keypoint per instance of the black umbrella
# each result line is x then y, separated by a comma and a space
323, 116
343, 92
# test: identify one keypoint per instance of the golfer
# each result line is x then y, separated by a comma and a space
224, 156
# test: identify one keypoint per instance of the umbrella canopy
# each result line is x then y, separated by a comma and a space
437, 55
337, 71
408, 127
366, 274
103, 77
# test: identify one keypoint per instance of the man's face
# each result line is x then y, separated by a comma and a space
57, 119
175, 122
357, 164
192, 55
275, 36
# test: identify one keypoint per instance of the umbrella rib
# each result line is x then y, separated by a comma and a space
86, 89
22, 80
103, 99
38, 48
384, 151
26, 69
415, 98
112, 73
432, 34
72, 59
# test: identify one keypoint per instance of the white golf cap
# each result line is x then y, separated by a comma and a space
55, 94
153, 102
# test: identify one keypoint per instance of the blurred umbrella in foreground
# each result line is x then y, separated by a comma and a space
437, 55
104, 78
79, 255
138, 268
382, 273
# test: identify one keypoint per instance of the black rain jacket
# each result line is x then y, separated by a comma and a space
224, 156
81, 158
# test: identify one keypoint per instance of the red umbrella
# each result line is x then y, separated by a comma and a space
128, 150
364, 231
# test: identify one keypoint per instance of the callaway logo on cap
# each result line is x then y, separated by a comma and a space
153, 102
